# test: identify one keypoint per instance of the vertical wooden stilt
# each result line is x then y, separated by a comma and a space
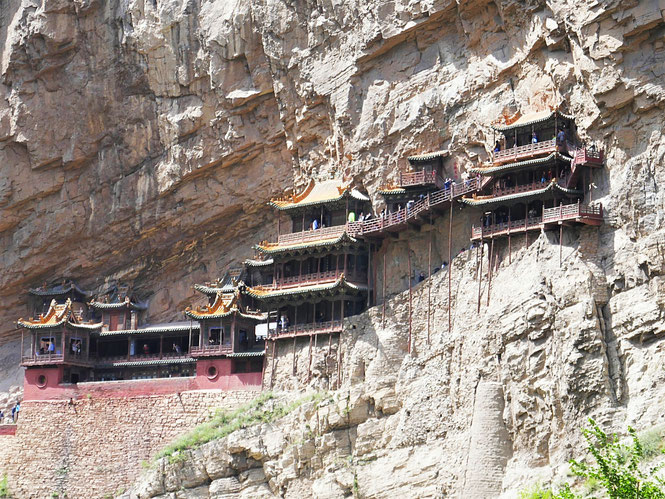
294, 354
480, 272
489, 271
369, 268
429, 280
450, 267
309, 361
560, 244
274, 360
295, 330
510, 248
265, 362
410, 298
339, 362
383, 299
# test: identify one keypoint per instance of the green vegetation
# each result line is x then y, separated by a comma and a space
536, 492
616, 466
4, 487
223, 424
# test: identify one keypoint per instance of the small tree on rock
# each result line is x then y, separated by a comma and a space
616, 467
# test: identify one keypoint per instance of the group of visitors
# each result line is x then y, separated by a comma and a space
76, 347
560, 140
15, 411
47, 347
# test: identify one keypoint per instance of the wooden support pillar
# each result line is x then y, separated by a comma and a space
383, 284
309, 361
510, 248
189, 345
560, 243
274, 360
369, 273
410, 297
129, 346
480, 271
339, 361
33, 342
22, 347
429, 277
489, 271
295, 368
161, 345
450, 267
265, 361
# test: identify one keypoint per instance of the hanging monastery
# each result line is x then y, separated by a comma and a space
322, 269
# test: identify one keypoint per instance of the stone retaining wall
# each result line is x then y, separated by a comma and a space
93, 447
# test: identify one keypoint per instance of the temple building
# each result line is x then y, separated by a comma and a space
40, 298
425, 175
537, 178
316, 273
227, 343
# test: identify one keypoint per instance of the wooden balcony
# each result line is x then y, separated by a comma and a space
576, 212
211, 350
328, 327
42, 359
525, 152
421, 178
588, 157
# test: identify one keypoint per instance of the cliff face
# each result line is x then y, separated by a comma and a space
140, 140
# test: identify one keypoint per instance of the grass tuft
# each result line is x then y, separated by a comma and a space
223, 423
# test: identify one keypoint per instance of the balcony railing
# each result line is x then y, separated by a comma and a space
211, 350
526, 151
316, 278
306, 329
592, 157
379, 224
575, 211
422, 177
42, 359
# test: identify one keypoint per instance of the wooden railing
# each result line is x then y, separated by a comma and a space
584, 155
139, 358
525, 151
422, 177
42, 358
559, 213
315, 278
307, 329
503, 227
570, 211
516, 189
395, 218
211, 350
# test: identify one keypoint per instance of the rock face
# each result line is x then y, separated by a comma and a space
139, 141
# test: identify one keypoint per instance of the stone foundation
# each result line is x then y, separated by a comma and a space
94, 446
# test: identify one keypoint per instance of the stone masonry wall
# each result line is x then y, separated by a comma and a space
94, 447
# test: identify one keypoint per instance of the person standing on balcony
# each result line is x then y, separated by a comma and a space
534, 138
315, 224
561, 137
352, 216
497, 146
51, 347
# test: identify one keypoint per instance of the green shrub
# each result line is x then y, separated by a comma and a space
651, 442
223, 424
615, 467
4, 487
536, 491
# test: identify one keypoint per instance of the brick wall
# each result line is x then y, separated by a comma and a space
93, 446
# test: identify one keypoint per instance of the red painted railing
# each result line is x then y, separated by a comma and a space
526, 151
584, 155
210, 350
574, 211
379, 224
422, 177
42, 358
315, 278
307, 329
